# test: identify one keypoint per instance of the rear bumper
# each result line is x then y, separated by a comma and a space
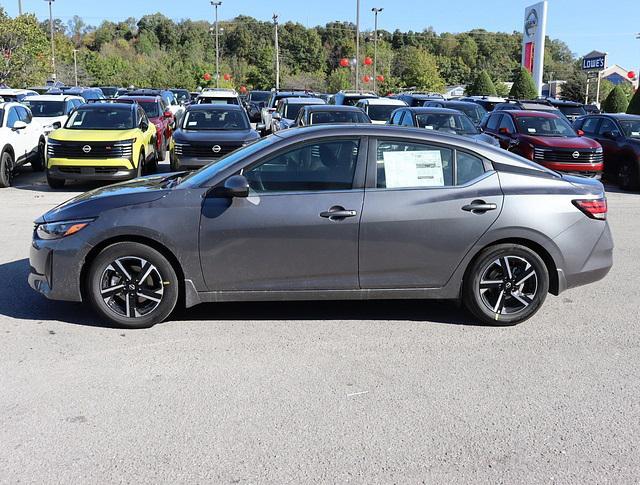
91, 169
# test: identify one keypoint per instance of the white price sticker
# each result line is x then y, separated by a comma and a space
413, 169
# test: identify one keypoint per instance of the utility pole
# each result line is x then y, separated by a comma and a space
275, 23
216, 5
53, 47
75, 64
357, 45
375, 11
19, 7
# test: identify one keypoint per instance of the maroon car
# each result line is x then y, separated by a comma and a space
160, 116
547, 139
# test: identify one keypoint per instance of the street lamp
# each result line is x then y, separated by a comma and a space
53, 48
357, 45
216, 5
277, 48
19, 7
375, 11
75, 65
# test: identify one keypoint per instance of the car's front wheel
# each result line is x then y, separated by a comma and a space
505, 285
132, 285
37, 164
6, 169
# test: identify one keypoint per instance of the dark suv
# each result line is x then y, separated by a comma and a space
528, 105
350, 98
619, 135
418, 99
472, 110
545, 138
570, 109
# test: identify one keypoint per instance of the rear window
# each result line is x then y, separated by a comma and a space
45, 109
381, 112
209, 100
572, 110
150, 108
323, 117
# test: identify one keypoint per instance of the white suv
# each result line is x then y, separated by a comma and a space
21, 141
52, 110
380, 109
218, 96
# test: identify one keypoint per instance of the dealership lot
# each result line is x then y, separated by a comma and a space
335, 392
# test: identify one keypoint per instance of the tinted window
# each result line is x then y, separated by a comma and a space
473, 111
397, 117
259, 96
101, 118
12, 117
631, 128
43, 109
590, 125
216, 119
494, 121
608, 125
468, 168
407, 119
448, 123
507, 123
151, 108
209, 100
380, 112
322, 117
292, 110
109, 92
314, 167
406, 165
572, 110
24, 114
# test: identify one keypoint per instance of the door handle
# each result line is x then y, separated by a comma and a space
479, 207
337, 213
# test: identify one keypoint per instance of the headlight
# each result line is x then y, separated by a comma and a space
599, 150
58, 230
120, 143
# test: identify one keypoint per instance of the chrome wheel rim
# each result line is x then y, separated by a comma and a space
508, 285
131, 287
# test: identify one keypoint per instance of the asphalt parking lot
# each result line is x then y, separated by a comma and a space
332, 392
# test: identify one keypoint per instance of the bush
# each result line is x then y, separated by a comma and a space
482, 85
523, 86
616, 102
634, 105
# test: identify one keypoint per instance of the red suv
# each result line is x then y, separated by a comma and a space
160, 116
547, 139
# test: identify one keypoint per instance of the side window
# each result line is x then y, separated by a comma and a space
312, 167
12, 117
24, 114
412, 165
494, 121
608, 125
68, 106
397, 117
468, 167
507, 123
590, 125
407, 119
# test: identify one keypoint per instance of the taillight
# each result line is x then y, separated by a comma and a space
593, 208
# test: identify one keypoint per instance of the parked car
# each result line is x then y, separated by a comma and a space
528, 105
272, 103
15, 95
487, 102
167, 96
21, 141
417, 98
255, 102
218, 96
419, 214
570, 109
330, 114
182, 96
109, 91
379, 109
474, 111
591, 109
209, 132
51, 111
619, 135
440, 119
88, 94
546, 138
159, 114
101, 141
350, 98
287, 111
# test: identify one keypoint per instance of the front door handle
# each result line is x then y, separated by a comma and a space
479, 207
338, 213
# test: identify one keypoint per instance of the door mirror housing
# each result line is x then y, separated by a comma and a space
168, 114
234, 186
504, 131
19, 125
144, 125
580, 133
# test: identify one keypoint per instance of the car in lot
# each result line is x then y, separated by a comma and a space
183, 97
546, 138
101, 141
487, 102
109, 91
271, 105
362, 199
15, 95
218, 96
440, 119
330, 114
379, 109
254, 104
21, 141
162, 118
473, 110
529, 105
619, 135
570, 109
287, 111
348, 97
208, 132
167, 96
88, 94
417, 98
52, 111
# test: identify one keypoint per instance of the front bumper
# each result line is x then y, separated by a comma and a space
584, 169
181, 161
92, 169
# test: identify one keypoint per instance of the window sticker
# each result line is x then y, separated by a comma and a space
77, 123
192, 123
531, 130
413, 169
635, 133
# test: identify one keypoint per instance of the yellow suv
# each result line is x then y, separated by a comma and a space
102, 141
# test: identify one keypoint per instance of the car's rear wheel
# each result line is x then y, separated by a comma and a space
6, 169
132, 285
628, 175
505, 285
37, 163
53, 182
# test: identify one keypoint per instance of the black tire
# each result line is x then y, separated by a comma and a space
173, 164
6, 169
37, 163
54, 183
140, 167
128, 307
509, 294
629, 175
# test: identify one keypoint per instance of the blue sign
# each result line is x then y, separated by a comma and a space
594, 63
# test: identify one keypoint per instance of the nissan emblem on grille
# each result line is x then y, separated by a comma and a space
86, 148
216, 148
575, 154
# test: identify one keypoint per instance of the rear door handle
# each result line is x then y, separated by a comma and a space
337, 213
479, 207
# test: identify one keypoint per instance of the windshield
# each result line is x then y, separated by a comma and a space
101, 118
258, 96
151, 108
572, 110
211, 100
631, 128
46, 109
475, 112
353, 100
181, 94
322, 117
544, 126
291, 111
215, 119
448, 123
381, 112
109, 92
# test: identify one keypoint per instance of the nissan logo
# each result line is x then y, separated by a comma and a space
575, 154
86, 148
531, 23
216, 148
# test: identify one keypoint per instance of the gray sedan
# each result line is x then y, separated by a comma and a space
330, 212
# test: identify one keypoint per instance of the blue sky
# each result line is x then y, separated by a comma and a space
584, 25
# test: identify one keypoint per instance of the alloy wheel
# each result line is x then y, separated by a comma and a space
7, 169
508, 285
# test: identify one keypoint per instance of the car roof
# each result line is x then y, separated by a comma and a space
138, 98
214, 107
383, 101
451, 102
428, 110
520, 113
53, 97
617, 116
15, 91
111, 105
331, 107
9, 104
303, 101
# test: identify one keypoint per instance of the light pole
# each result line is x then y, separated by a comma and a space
19, 7
375, 11
277, 47
53, 48
357, 45
75, 65
216, 5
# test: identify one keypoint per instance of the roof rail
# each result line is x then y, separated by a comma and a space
112, 100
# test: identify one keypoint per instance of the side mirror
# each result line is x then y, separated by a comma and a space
234, 186
580, 133
144, 125
261, 127
504, 131
277, 116
168, 114
19, 125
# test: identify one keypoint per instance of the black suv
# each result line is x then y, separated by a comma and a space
414, 99
570, 109
350, 98
472, 110
271, 105
528, 105
255, 102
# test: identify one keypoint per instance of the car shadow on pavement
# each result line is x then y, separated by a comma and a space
19, 301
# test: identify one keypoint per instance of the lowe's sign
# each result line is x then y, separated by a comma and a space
594, 61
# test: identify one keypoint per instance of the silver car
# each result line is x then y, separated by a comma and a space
330, 212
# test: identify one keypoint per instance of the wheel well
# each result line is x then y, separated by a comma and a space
536, 248
162, 249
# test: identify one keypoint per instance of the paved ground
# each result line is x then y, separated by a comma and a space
331, 392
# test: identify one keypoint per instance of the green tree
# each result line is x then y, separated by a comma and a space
523, 86
339, 79
616, 102
634, 105
24, 51
482, 85
417, 68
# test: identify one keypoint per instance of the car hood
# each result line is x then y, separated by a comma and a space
576, 142
214, 136
64, 134
91, 204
